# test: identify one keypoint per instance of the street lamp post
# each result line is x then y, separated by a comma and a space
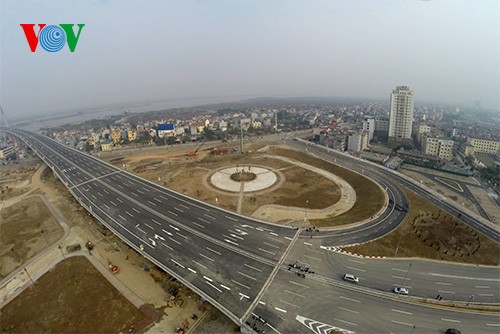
470, 299
307, 206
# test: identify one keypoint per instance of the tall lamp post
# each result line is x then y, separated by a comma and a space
307, 206
470, 299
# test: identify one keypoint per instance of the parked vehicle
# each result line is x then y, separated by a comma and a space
401, 291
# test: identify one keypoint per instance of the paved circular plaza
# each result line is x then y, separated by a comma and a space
265, 178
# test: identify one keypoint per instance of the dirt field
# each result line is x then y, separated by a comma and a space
27, 228
430, 233
73, 297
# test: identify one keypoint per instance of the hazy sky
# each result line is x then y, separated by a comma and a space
445, 50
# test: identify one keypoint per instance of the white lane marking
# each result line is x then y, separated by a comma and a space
213, 251
206, 257
175, 228
288, 238
251, 277
184, 206
201, 265
259, 229
354, 268
159, 237
314, 258
149, 226
450, 320
128, 213
285, 302
208, 278
280, 309
307, 243
177, 242
119, 200
295, 294
140, 192
399, 311
164, 244
485, 294
119, 186
249, 266
443, 283
133, 193
263, 250
151, 203
240, 284
397, 269
446, 291
204, 220
302, 285
98, 193
494, 325
211, 217
136, 210
271, 245
177, 209
231, 242
191, 270
346, 309
123, 218
152, 241
482, 287
345, 321
225, 287
357, 261
236, 236
231, 218
350, 299
177, 263
261, 302
156, 222
93, 196
146, 189
107, 207
465, 277
243, 296
172, 213
156, 199
272, 233
167, 232
199, 225
401, 277
182, 235
213, 286
401, 323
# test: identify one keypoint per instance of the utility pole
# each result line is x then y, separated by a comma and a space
241, 137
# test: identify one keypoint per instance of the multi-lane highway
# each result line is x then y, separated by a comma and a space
241, 265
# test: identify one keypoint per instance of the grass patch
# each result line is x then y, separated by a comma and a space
428, 232
369, 196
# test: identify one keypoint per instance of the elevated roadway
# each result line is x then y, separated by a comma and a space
240, 265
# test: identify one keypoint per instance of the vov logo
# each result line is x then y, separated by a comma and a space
52, 38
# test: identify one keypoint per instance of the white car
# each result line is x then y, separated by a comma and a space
401, 291
351, 278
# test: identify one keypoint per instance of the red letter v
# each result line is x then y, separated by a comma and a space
32, 38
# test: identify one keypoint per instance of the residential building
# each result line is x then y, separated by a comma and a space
106, 145
116, 136
132, 135
440, 147
422, 130
369, 126
484, 145
357, 141
401, 115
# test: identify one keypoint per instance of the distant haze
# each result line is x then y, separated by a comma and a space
445, 50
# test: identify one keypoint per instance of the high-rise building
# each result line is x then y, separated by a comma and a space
401, 115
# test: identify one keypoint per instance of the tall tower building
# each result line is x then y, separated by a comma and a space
401, 116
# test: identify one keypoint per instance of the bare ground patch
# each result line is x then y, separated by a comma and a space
27, 228
73, 297
428, 232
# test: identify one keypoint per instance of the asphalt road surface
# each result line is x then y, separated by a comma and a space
242, 265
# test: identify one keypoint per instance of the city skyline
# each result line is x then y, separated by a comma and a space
133, 52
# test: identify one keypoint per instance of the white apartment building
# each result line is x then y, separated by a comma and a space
483, 145
423, 129
357, 141
369, 126
440, 147
401, 115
